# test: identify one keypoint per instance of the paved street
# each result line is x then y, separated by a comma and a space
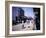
27, 26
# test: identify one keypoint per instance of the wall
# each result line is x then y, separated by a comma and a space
2, 19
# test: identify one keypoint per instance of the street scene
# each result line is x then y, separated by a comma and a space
25, 18
24, 26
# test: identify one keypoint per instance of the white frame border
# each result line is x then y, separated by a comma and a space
24, 32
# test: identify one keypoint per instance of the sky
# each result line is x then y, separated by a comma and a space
28, 11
